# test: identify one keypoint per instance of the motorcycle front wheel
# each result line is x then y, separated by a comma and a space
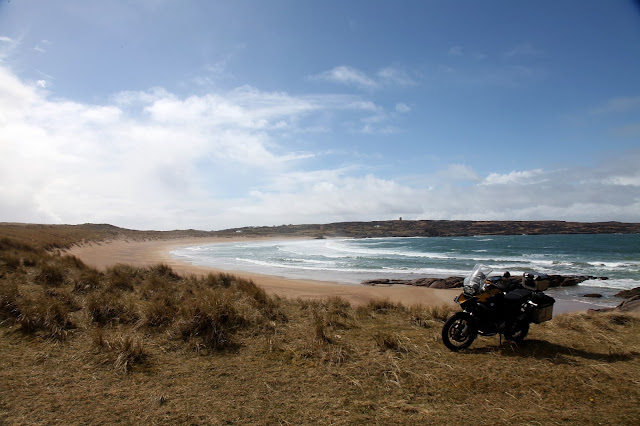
459, 331
517, 331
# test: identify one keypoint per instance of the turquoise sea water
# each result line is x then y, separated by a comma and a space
350, 261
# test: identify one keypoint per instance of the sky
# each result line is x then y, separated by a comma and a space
153, 114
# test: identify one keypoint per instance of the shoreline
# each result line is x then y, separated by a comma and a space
151, 252
147, 253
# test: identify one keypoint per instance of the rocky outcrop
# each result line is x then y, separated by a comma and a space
456, 282
451, 282
631, 305
625, 294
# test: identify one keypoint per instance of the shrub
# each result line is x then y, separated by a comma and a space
218, 280
105, 308
260, 299
73, 262
160, 311
9, 309
164, 271
380, 306
122, 277
12, 261
47, 315
51, 275
30, 259
89, 280
65, 297
7, 244
211, 318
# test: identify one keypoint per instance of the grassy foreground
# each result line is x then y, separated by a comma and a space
145, 345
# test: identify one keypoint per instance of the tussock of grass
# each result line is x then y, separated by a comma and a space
380, 306
9, 295
124, 352
51, 274
122, 277
105, 307
87, 280
392, 341
218, 349
210, 319
45, 315
430, 316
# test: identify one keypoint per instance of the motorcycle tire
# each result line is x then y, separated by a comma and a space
459, 331
517, 332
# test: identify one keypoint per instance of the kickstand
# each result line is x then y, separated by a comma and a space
500, 339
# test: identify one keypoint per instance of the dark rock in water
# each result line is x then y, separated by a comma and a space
628, 293
592, 295
569, 281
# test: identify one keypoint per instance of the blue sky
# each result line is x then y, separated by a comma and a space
155, 114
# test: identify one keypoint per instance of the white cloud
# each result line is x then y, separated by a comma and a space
458, 172
526, 177
348, 76
402, 107
148, 159
618, 104
631, 130
155, 160
42, 46
393, 75
626, 180
523, 49
455, 51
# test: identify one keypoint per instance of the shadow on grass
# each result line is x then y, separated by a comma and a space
554, 352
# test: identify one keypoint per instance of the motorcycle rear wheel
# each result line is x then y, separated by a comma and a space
517, 332
459, 331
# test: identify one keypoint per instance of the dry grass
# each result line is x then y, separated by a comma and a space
145, 345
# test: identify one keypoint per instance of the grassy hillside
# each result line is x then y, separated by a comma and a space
65, 236
439, 228
145, 345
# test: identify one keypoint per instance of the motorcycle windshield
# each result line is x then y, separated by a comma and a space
474, 282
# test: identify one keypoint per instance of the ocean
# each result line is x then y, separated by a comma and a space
351, 261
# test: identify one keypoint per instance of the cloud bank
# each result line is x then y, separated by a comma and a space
156, 160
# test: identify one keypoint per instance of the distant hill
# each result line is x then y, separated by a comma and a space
64, 236
438, 228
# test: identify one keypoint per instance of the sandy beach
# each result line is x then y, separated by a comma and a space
146, 253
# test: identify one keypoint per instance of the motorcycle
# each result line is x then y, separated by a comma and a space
491, 306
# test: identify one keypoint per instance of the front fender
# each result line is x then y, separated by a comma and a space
467, 316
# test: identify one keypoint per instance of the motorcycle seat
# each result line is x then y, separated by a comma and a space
517, 296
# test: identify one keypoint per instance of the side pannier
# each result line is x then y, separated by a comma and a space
543, 308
